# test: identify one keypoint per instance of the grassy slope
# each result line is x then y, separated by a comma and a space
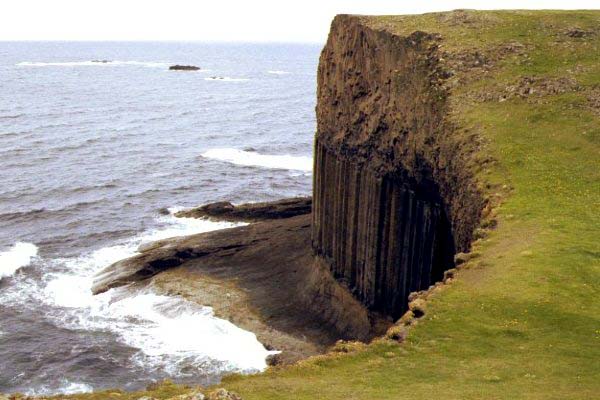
523, 319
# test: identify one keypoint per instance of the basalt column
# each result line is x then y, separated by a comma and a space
393, 196
380, 236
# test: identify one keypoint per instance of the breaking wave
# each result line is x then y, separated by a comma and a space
18, 256
276, 72
251, 158
170, 332
66, 387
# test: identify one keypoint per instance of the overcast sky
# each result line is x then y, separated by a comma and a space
216, 20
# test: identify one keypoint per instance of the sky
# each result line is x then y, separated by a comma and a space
217, 20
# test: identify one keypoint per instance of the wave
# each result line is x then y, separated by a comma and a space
18, 256
66, 387
225, 79
93, 63
172, 334
13, 116
277, 72
250, 158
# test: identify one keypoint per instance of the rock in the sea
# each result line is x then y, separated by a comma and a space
101, 61
184, 68
163, 211
251, 212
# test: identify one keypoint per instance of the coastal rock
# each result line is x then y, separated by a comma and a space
251, 212
183, 68
394, 195
263, 277
274, 359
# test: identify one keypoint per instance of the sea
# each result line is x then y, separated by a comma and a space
100, 143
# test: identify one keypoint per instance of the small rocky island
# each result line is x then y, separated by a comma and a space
184, 68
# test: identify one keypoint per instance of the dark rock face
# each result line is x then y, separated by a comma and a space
381, 236
251, 212
394, 197
184, 68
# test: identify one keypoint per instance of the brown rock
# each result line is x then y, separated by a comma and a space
263, 277
418, 307
251, 212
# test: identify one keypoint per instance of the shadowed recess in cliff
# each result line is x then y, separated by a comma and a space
394, 196
381, 236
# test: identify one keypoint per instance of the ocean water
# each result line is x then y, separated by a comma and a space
91, 156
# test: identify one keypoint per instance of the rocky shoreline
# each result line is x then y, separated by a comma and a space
263, 277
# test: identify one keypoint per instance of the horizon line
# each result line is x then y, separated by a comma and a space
238, 41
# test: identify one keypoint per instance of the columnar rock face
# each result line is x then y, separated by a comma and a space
393, 199
379, 235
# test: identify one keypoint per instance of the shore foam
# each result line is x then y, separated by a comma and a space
250, 158
170, 332
18, 256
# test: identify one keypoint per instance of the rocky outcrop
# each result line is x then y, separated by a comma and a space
394, 197
262, 277
251, 212
184, 68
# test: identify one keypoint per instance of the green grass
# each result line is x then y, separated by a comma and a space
522, 320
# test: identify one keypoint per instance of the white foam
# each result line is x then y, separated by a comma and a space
74, 289
170, 332
152, 64
75, 387
276, 72
18, 256
66, 387
225, 79
250, 158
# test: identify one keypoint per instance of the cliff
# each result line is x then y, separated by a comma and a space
394, 193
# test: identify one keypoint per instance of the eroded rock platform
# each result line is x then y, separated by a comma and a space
263, 277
